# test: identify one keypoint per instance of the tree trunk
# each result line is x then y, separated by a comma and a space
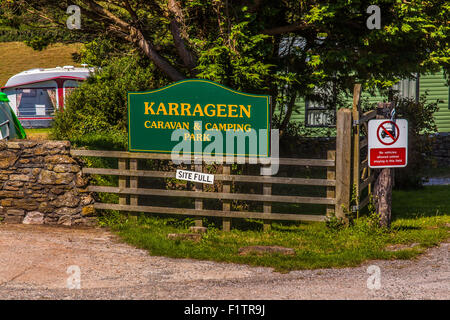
134, 34
288, 115
383, 185
180, 36
383, 196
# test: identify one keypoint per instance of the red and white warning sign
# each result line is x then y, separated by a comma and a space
388, 143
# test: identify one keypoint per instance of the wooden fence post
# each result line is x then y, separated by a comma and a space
226, 204
133, 182
198, 202
343, 162
267, 206
331, 175
122, 181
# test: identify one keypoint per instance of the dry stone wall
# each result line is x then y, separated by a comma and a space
40, 183
441, 149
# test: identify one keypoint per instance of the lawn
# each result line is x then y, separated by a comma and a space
16, 57
427, 202
420, 220
38, 134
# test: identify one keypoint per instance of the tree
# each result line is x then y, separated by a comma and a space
287, 48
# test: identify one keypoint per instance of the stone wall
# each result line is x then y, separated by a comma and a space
40, 183
441, 149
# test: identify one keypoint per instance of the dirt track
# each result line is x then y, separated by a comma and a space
34, 262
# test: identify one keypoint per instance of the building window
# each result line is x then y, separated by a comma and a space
319, 116
408, 88
321, 111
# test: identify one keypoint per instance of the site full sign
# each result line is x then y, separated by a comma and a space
202, 115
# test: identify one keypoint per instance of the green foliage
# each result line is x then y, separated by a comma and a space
237, 61
334, 223
100, 51
421, 125
38, 42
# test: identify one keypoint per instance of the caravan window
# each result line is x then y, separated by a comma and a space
36, 102
28, 92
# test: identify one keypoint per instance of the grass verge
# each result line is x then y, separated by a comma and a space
38, 133
421, 217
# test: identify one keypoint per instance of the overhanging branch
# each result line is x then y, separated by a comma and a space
136, 36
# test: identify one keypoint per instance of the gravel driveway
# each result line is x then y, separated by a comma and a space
34, 261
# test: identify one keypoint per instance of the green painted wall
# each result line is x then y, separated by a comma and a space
299, 114
437, 89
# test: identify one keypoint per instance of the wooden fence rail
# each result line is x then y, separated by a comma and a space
192, 159
129, 174
219, 177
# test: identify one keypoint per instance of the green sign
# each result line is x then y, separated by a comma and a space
201, 116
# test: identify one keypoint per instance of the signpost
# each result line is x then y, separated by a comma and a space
388, 143
203, 112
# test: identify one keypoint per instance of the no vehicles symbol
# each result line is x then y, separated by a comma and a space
388, 133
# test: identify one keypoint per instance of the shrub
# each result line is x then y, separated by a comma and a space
421, 125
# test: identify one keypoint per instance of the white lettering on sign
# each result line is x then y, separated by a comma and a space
195, 176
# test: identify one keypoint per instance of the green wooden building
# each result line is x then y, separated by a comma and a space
315, 115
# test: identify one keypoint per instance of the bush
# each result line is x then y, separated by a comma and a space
421, 125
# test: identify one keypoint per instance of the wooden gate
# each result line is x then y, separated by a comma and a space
363, 176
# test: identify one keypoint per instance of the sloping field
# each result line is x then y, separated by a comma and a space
16, 57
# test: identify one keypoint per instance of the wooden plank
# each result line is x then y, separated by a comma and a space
343, 162
122, 181
218, 177
198, 202
306, 162
368, 116
141, 155
363, 143
331, 174
363, 173
210, 195
365, 202
267, 206
363, 164
212, 213
366, 183
133, 182
226, 204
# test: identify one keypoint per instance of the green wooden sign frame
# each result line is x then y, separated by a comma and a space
154, 115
